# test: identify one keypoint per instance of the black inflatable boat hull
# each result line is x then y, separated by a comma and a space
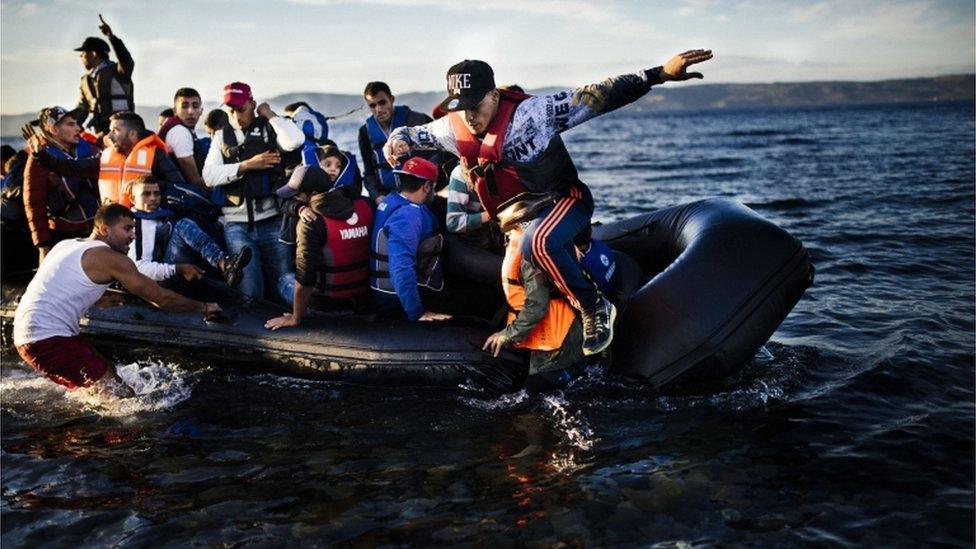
703, 286
723, 280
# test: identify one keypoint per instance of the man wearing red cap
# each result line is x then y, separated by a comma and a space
509, 145
244, 167
406, 270
107, 86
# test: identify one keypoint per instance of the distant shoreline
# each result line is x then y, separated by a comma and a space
704, 97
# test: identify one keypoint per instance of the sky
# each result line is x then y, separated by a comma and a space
338, 45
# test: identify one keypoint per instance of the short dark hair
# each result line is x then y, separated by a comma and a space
512, 87
326, 151
145, 180
216, 119
6, 152
130, 120
186, 92
110, 214
166, 113
374, 88
410, 183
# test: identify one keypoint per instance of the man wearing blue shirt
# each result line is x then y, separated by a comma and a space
407, 276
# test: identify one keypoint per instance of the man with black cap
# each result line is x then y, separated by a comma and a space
107, 86
59, 207
333, 244
511, 151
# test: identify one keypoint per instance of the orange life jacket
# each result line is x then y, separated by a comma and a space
549, 333
117, 172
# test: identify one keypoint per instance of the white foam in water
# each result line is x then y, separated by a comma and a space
504, 402
575, 430
157, 386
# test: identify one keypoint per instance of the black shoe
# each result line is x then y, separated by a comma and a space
598, 327
233, 270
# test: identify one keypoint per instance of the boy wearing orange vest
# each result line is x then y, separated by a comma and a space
539, 318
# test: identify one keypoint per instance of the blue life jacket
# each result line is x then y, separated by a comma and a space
377, 138
428, 264
76, 199
347, 176
601, 265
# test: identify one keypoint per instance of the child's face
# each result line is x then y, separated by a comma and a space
332, 166
146, 197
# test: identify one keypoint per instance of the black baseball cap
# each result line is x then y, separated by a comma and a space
93, 43
467, 84
306, 179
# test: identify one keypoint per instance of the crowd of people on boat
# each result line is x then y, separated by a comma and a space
269, 204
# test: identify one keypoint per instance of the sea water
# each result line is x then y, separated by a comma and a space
856, 427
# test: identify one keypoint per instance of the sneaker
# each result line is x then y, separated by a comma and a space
233, 269
598, 327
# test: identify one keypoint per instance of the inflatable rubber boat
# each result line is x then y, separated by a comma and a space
702, 287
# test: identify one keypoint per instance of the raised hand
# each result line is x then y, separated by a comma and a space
36, 141
395, 148
103, 26
676, 67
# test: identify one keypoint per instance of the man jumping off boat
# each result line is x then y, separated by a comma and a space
509, 146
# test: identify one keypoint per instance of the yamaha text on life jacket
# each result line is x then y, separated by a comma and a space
345, 269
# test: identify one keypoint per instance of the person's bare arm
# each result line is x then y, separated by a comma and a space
103, 265
188, 166
303, 294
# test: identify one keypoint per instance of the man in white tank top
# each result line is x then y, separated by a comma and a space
72, 278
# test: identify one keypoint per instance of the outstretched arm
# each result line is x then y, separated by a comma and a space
104, 264
570, 108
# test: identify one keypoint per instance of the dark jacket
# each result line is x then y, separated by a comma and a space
47, 229
312, 236
109, 91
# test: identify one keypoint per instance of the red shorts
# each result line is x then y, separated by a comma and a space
68, 361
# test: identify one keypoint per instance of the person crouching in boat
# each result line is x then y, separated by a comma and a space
539, 319
73, 277
165, 244
407, 276
332, 241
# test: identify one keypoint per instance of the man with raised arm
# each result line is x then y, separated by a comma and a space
107, 86
509, 146
73, 277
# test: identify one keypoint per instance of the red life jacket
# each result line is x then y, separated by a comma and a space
493, 180
496, 179
345, 269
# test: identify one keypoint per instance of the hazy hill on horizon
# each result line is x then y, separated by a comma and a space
947, 88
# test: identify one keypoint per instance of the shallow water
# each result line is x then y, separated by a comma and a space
856, 429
